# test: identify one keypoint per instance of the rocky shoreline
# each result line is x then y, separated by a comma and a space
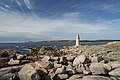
68, 63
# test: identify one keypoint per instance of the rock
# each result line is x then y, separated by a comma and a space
86, 72
62, 76
46, 65
80, 69
96, 78
63, 60
61, 70
13, 62
76, 76
56, 65
80, 59
98, 68
54, 58
46, 59
114, 64
8, 76
7, 52
70, 58
70, 72
96, 59
20, 56
28, 72
115, 72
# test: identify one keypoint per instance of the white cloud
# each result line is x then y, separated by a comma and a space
71, 14
28, 4
15, 25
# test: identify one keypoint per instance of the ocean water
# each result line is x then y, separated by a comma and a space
19, 46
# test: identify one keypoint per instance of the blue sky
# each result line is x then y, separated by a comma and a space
36, 20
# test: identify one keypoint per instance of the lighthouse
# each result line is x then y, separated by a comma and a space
77, 40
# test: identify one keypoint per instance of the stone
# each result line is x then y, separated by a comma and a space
56, 65
70, 72
80, 59
54, 58
86, 72
98, 68
62, 76
96, 78
61, 70
114, 64
45, 59
28, 72
46, 65
8, 76
96, 59
76, 76
70, 58
115, 72
80, 69
63, 60
13, 62
20, 56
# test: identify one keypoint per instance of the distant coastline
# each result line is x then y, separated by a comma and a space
80, 41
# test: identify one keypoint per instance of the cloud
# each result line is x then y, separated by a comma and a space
28, 4
23, 26
71, 14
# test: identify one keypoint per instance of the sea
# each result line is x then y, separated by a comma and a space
26, 47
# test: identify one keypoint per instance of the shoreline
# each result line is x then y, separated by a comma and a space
67, 57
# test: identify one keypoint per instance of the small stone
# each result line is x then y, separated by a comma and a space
80, 69
63, 60
19, 56
70, 58
13, 62
54, 58
62, 76
57, 65
70, 72
46, 65
86, 72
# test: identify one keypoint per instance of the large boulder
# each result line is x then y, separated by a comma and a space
96, 78
115, 72
80, 59
99, 68
28, 72
13, 62
114, 64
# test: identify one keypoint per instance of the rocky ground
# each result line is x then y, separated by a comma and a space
67, 63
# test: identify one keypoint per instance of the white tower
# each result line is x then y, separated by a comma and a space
77, 40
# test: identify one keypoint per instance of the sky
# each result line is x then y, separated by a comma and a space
39, 20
